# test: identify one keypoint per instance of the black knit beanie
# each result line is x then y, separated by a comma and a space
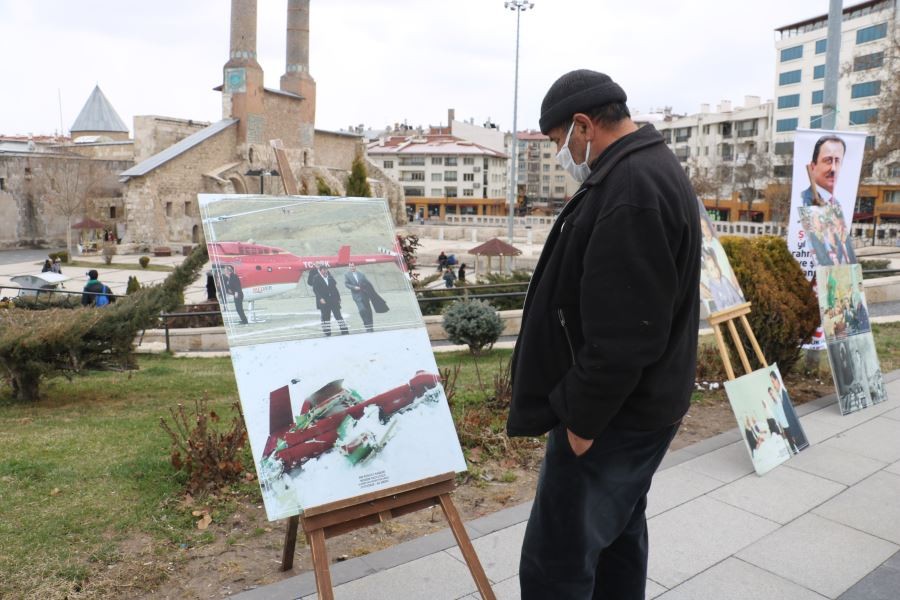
577, 91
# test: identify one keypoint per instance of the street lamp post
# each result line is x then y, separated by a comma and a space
518, 6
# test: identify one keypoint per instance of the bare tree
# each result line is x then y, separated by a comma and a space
67, 183
750, 177
706, 180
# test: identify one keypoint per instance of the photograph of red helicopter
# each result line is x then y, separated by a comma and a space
266, 271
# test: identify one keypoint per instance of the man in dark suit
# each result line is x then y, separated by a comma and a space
359, 287
827, 159
328, 299
797, 437
233, 287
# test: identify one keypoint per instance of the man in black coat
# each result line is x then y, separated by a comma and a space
233, 286
606, 354
328, 299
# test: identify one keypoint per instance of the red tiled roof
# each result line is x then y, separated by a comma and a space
495, 247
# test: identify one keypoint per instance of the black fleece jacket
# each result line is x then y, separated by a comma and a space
609, 328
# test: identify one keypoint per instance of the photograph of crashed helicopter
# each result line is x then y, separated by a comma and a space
298, 267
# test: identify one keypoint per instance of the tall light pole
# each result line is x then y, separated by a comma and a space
518, 6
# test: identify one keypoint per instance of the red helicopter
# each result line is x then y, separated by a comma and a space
266, 271
316, 429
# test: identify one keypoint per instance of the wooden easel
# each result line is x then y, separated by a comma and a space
729, 316
328, 520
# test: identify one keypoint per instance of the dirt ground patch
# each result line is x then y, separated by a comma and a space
244, 551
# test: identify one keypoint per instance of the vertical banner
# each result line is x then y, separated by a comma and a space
337, 381
826, 172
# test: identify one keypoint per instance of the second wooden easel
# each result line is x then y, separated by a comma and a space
728, 317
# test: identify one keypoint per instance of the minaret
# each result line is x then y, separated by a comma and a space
242, 91
296, 78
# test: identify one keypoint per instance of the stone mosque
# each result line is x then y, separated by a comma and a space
153, 202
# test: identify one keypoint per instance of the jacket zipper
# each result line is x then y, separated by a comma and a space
562, 321
562, 214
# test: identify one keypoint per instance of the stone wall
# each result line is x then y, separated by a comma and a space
28, 217
105, 150
162, 205
337, 150
282, 119
153, 134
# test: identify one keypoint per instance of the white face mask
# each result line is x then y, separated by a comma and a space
578, 172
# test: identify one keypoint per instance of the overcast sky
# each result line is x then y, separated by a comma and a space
385, 61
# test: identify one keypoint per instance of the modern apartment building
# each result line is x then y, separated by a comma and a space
729, 150
866, 33
543, 186
444, 175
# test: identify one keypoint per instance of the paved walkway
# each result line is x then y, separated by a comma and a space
826, 524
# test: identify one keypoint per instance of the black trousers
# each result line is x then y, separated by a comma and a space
326, 311
365, 311
239, 307
587, 533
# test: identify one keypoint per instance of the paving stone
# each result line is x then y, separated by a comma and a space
725, 464
676, 486
498, 552
780, 495
737, 580
870, 505
508, 589
819, 554
653, 590
893, 414
501, 519
881, 584
832, 414
689, 539
819, 430
835, 464
878, 439
437, 577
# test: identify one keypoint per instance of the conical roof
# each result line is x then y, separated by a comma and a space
495, 247
98, 115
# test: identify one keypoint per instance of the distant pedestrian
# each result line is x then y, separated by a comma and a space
48, 266
462, 273
442, 261
57, 266
96, 293
210, 286
449, 277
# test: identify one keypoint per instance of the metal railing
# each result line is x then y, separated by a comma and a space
164, 316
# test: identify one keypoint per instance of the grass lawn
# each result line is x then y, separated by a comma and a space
87, 467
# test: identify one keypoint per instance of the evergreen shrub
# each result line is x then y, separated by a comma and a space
144, 261
133, 285
785, 312
474, 323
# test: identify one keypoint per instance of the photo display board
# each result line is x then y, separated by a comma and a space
338, 384
848, 334
770, 428
719, 288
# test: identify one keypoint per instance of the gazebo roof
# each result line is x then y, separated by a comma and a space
88, 223
495, 247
